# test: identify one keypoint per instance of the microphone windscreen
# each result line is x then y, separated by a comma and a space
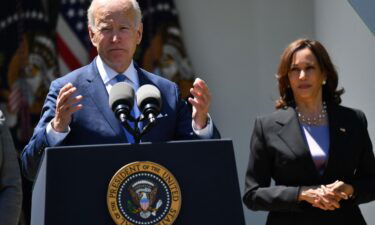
147, 93
121, 92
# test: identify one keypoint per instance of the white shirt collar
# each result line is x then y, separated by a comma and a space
107, 73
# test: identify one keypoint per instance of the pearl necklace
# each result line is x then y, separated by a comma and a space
315, 120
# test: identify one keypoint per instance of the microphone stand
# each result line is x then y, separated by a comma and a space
136, 133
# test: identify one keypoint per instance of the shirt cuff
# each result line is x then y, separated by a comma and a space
206, 132
54, 138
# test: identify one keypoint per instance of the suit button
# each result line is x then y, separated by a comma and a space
41, 150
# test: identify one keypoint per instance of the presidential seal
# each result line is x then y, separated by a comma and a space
143, 193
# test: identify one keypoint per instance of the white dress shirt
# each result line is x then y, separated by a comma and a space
108, 74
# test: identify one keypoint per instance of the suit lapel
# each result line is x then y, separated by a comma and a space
291, 134
97, 91
336, 130
143, 79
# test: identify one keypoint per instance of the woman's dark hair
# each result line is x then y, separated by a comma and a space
330, 93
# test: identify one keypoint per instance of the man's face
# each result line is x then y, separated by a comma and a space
115, 35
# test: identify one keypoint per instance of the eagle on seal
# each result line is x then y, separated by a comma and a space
144, 199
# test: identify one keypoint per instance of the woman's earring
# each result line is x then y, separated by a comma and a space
324, 82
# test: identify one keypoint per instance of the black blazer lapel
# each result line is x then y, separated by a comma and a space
337, 136
97, 91
291, 134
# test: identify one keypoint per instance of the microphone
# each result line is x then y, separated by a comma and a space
149, 101
121, 101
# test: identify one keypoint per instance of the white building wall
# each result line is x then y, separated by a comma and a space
235, 46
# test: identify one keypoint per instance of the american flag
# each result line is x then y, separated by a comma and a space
73, 43
162, 50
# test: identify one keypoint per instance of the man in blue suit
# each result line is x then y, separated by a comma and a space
76, 110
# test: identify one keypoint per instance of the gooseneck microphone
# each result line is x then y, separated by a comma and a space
121, 101
149, 102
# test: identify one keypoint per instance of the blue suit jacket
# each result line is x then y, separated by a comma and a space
95, 123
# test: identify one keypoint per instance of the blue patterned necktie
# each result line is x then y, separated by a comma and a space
134, 112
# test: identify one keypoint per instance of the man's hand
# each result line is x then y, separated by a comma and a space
200, 102
66, 105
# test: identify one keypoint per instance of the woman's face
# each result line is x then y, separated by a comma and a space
306, 77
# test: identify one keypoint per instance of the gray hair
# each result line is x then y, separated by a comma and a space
92, 8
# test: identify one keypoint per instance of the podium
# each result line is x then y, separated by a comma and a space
72, 182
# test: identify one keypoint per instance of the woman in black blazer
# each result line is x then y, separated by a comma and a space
318, 153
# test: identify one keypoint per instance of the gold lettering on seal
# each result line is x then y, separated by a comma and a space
127, 171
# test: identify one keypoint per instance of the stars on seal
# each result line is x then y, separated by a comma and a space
122, 191
145, 196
